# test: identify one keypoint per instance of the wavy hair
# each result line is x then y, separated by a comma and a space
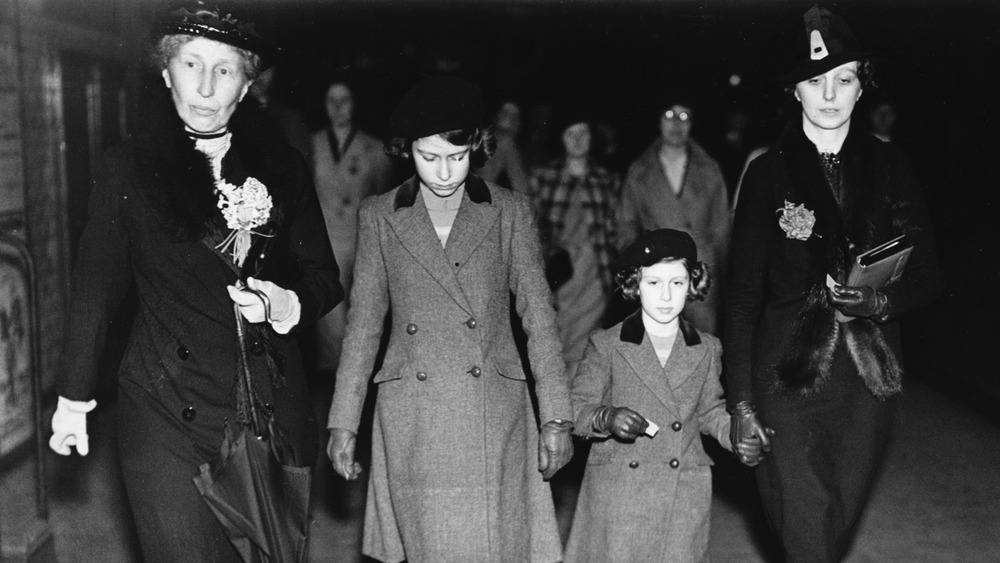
481, 140
627, 280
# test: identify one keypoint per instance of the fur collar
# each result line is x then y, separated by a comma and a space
841, 228
177, 180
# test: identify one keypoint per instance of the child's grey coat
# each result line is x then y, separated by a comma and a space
648, 500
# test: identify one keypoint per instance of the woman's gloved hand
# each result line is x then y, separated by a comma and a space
622, 422
555, 447
744, 430
261, 301
69, 426
340, 449
859, 301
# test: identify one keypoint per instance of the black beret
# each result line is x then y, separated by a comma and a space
211, 23
435, 105
652, 246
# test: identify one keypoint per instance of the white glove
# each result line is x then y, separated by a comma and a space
69, 426
280, 308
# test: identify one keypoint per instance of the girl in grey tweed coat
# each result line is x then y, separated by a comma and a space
646, 492
459, 457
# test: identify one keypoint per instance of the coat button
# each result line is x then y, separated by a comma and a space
256, 347
633, 464
676, 426
421, 376
471, 323
183, 353
411, 328
476, 372
189, 414
674, 463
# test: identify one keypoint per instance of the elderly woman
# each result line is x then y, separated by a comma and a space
196, 205
815, 359
456, 474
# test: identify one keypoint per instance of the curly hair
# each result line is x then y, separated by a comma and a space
168, 46
482, 141
627, 280
866, 75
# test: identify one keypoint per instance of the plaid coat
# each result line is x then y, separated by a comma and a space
454, 473
551, 189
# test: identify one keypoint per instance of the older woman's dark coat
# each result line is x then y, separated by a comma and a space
454, 473
153, 222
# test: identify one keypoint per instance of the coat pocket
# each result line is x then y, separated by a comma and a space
389, 373
511, 369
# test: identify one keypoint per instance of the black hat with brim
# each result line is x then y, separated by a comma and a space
435, 105
652, 246
200, 20
828, 44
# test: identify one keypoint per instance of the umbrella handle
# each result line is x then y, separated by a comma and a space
244, 367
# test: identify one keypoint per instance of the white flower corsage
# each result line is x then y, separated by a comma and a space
245, 208
796, 221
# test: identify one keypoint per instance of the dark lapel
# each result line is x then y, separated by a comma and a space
414, 229
638, 351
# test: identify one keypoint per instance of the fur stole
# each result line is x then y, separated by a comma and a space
176, 179
843, 227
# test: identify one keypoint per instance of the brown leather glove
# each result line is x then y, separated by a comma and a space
555, 447
622, 422
859, 301
340, 449
744, 430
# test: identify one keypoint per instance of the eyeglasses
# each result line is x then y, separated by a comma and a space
676, 115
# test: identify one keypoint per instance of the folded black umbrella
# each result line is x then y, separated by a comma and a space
256, 488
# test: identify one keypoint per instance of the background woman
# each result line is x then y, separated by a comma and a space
824, 193
458, 460
155, 221
348, 166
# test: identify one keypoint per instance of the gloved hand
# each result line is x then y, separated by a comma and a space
340, 449
69, 426
261, 301
859, 301
623, 422
744, 429
555, 447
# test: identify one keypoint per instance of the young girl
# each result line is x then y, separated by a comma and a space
646, 492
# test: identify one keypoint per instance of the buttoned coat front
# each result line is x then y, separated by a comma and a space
454, 473
648, 500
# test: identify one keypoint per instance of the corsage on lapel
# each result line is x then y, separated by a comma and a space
796, 221
245, 208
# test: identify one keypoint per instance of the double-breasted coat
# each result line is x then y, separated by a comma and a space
151, 223
454, 473
648, 500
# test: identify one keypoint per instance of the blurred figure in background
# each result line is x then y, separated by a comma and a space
506, 166
348, 165
576, 200
882, 117
284, 119
675, 184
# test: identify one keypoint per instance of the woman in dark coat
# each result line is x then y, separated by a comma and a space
197, 204
825, 192
459, 457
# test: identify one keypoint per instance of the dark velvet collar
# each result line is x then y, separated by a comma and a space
633, 330
475, 187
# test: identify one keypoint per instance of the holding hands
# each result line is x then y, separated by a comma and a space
750, 439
